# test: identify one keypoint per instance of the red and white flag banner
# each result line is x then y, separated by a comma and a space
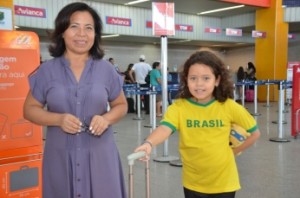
163, 19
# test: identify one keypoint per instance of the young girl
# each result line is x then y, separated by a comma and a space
203, 115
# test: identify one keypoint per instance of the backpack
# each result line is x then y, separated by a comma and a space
147, 78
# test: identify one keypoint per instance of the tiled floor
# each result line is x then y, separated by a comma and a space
267, 170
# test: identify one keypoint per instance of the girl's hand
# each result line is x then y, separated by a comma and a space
236, 151
147, 147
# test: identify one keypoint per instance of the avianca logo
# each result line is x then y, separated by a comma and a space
29, 11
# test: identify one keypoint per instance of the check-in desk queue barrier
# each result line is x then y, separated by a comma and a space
132, 90
282, 86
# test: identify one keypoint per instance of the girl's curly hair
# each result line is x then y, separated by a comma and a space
225, 88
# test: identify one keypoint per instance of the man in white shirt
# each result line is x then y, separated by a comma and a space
141, 69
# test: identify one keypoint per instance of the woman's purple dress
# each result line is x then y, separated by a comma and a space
80, 165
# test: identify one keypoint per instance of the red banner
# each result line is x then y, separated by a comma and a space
213, 30
163, 19
178, 27
184, 28
260, 3
291, 36
118, 21
258, 34
30, 11
234, 32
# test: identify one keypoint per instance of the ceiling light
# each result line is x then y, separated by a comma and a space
110, 35
221, 9
181, 41
172, 42
135, 2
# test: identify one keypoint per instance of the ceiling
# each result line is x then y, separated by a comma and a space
187, 7
191, 6
181, 6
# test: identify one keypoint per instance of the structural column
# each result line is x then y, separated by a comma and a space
271, 52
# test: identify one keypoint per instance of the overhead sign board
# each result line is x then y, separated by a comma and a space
30, 11
163, 15
213, 30
234, 32
118, 21
258, 34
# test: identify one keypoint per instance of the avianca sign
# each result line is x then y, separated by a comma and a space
118, 21
29, 11
260, 3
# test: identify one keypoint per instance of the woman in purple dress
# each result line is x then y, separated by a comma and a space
70, 95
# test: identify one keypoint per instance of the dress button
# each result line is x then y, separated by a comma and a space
78, 180
79, 195
78, 164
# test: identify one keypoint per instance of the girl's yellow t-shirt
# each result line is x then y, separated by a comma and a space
208, 161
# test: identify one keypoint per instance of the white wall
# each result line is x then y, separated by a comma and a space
293, 51
236, 57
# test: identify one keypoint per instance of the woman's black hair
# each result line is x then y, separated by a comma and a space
129, 67
221, 92
240, 74
155, 64
62, 22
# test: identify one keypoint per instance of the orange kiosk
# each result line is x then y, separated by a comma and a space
21, 144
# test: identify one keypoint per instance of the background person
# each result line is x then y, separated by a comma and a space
127, 78
80, 157
155, 80
140, 70
129, 97
112, 61
203, 116
240, 77
251, 74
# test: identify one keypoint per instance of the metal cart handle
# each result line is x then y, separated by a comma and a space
132, 157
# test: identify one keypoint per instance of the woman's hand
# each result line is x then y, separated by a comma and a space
70, 123
98, 125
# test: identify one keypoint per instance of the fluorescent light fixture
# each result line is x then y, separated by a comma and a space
181, 41
135, 2
110, 35
172, 42
221, 9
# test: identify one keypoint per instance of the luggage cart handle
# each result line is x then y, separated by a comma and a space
132, 157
